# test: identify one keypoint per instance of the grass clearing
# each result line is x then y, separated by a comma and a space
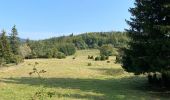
73, 79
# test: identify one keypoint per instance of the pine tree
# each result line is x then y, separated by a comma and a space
14, 41
149, 48
1, 54
5, 48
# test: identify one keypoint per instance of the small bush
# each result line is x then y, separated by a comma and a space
49, 55
102, 58
108, 61
97, 58
89, 64
17, 59
60, 55
107, 57
106, 50
90, 57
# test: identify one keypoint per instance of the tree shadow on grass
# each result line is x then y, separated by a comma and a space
127, 88
110, 71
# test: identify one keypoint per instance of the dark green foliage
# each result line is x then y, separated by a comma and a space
108, 61
14, 41
89, 64
16, 59
107, 57
67, 44
79, 43
106, 50
97, 58
149, 48
102, 57
48, 55
90, 57
67, 49
9, 52
60, 55
6, 53
119, 55
159, 79
33, 55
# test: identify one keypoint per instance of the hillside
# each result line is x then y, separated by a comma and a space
92, 40
73, 79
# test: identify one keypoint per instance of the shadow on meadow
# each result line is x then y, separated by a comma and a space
127, 88
110, 71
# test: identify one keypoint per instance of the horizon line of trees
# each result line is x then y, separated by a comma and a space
15, 50
69, 44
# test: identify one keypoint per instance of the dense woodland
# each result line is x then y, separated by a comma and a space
67, 45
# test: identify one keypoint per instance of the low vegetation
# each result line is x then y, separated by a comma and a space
68, 79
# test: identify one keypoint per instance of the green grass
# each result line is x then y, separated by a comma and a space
73, 79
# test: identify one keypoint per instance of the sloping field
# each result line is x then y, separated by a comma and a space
73, 79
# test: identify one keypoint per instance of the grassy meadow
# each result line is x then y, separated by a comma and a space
73, 79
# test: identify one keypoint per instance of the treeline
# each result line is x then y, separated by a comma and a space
67, 45
13, 50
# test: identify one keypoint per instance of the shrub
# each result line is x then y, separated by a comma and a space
97, 58
17, 59
49, 55
108, 61
25, 51
106, 50
89, 64
103, 57
60, 55
107, 57
90, 57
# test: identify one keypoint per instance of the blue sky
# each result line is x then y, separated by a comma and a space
39, 19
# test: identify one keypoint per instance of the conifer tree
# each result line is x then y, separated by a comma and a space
5, 47
149, 48
14, 41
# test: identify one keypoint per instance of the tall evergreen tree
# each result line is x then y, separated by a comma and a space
14, 41
5, 47
149, 48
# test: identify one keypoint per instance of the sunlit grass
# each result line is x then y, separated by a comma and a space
73, 79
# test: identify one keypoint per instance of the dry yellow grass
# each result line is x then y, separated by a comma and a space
73, 79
